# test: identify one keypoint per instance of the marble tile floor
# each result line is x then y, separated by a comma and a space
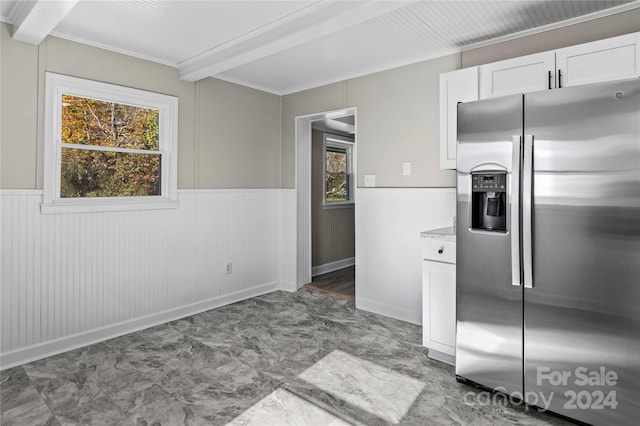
304, 358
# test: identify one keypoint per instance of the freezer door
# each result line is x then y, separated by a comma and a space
582, 314
489, 305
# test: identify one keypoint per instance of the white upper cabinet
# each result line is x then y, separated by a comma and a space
610, 59
456, 86
614, 58
518, 75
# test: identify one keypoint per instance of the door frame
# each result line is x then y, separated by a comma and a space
303, 185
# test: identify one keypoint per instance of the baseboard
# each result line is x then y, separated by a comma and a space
288, 286
383, 309
442, 357
332, 266
67, 343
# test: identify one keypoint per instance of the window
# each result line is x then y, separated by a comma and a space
338, 168
108, 147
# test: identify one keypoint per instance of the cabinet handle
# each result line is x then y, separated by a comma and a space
441, 250
559, 79
549, 79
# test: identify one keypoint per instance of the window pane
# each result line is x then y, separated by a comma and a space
92, 122
336, 161
86, 173
337, 187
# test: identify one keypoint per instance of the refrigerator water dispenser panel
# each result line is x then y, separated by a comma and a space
488, 202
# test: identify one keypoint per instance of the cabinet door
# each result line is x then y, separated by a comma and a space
457, 86
443, 304
518, 75
614, 58
439, 306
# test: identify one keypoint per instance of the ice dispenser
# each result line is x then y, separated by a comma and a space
488, 202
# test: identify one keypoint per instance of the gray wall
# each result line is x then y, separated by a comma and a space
324, 98
238, 135
397, 120
397, 115
18, 112
609, 26
333, 235
229, 135
233, 137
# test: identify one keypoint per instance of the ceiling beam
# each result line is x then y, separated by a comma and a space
32, 21
312, 22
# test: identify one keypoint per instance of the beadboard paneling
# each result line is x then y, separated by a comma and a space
388, 260
71, 279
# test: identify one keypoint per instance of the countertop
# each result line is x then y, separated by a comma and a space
445, 234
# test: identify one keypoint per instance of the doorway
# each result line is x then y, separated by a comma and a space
325, 184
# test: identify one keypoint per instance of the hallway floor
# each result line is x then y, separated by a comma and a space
303, 358
339, 283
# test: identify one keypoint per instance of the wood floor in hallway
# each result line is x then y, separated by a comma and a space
339, 283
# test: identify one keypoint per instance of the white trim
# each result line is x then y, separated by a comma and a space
409, 188
113, 49
30, 191
229, 190
46, 349
341, 142
145, 203
17, 191
56, 85
253, 86
555, 25
303, 200
109, 149
332, 266
343, 205
107, 204
382, 309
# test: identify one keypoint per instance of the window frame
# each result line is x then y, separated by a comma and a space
330, 140
55, 86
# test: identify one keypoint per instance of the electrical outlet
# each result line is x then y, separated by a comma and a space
229, 268
369, 180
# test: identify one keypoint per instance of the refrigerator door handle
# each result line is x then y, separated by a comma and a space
527, 194
516, 272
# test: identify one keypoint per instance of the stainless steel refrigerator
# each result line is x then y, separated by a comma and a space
548, 249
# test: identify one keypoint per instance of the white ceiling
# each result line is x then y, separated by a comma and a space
286, 46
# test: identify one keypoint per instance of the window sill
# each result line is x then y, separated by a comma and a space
338, 206
93, 205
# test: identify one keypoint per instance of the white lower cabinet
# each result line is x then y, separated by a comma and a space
439, 300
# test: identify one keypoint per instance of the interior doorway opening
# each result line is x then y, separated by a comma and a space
326, 152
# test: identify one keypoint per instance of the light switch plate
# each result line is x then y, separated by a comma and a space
406, 168
369, 180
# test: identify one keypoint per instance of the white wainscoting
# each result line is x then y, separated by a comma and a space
388, 260
69, 280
